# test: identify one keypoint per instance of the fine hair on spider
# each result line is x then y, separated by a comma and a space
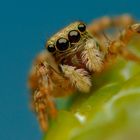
73, 56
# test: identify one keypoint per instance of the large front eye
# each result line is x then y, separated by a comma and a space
51, 48
74, 36
82, 27
62, 44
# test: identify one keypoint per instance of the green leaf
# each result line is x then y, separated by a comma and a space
111, 111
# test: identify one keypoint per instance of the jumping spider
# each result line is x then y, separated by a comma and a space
73, 55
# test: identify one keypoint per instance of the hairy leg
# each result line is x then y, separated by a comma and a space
99, 25
46, 83
42, 99
119, 46
98, 28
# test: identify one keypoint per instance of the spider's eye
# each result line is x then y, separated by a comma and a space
82, 27
51, 48
74, 36
62, 44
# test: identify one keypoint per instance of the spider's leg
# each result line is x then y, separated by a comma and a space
46, 82
119, 46
39, 106
99, 25
42, 98
33, 76
129, 32
44, 107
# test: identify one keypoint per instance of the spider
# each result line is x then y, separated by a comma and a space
73, 56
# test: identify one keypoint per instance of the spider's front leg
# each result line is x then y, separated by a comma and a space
46, 82
39, 104
42, 100
119, 46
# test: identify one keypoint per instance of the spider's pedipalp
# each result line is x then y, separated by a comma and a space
78, 77
92, 57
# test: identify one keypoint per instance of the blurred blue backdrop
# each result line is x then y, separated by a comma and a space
24, 27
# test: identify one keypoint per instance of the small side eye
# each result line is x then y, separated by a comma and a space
82, 27
62, 44
74, 36
51, 48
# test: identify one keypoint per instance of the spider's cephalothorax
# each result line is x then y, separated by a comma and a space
72, 56
75, 46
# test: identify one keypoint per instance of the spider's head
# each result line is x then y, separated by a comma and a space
73, 39
67, 39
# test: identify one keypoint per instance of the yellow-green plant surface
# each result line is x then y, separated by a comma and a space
110, 112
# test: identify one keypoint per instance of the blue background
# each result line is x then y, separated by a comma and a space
24, 27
